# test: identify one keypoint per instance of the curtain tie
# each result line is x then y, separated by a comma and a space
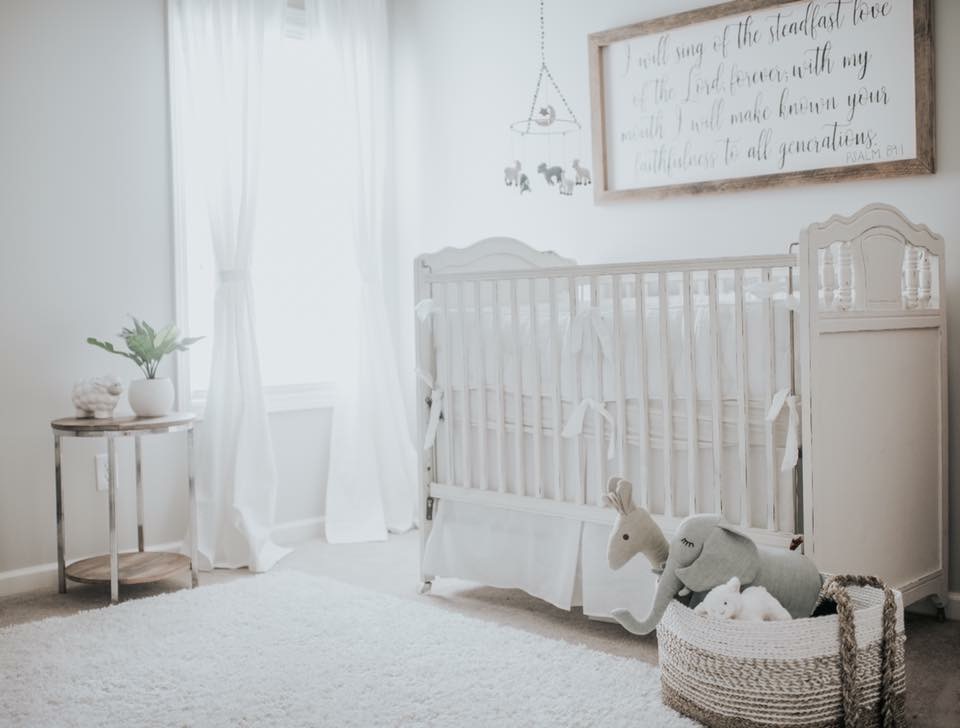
574, 425
436, 408
234, 275
791, 445
589, 325
425, 308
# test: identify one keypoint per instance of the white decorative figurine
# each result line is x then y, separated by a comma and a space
97, 397
755, 604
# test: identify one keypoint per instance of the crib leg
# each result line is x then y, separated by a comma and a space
941, 604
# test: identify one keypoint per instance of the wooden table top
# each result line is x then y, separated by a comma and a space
123, 424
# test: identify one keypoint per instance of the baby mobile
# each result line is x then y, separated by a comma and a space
544, 135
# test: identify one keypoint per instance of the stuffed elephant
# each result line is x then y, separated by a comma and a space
704, 553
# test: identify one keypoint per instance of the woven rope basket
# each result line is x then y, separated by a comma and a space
727, 673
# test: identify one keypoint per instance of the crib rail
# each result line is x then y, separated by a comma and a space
544, 379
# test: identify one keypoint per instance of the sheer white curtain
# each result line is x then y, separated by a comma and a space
218, 50
372, 479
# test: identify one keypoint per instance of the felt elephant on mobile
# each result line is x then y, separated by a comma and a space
704, 553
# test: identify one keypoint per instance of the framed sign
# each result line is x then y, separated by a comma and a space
753, 93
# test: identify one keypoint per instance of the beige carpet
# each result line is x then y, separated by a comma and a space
933, 649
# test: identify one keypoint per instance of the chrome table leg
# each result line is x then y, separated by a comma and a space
114, 545
61, 565
194, 579
139, 451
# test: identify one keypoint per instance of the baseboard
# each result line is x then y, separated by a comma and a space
44, 576
925, 606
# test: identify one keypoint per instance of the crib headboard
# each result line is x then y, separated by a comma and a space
491, 254
874, 368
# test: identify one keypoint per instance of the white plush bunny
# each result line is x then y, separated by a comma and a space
754, 604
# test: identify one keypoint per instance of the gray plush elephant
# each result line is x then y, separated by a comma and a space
704, 553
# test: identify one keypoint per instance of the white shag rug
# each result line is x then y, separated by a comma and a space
288, 649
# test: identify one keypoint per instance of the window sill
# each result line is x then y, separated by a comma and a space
285, 398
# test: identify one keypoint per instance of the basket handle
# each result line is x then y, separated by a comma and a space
836, 588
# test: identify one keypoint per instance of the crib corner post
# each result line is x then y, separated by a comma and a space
426, 459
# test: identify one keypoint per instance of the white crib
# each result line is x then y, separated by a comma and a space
540, 378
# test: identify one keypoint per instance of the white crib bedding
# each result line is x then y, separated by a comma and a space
460, 337
559, 560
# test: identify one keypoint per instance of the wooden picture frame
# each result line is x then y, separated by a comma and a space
922, 163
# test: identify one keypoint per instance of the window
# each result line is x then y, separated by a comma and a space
304, 273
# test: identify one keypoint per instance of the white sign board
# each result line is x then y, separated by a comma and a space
759, 91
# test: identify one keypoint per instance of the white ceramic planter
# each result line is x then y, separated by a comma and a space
151, 397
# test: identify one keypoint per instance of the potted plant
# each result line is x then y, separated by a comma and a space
151, 396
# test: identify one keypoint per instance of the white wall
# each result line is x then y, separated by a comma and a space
465, 70
85, 238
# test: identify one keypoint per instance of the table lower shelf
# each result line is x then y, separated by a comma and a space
139, 567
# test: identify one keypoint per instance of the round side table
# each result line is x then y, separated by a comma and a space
139, 567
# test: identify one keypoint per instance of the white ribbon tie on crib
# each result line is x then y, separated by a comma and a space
436, 408
589, 325
791, 445
574, 426
425, 308
767, 290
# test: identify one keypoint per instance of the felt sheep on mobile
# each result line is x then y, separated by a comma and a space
97, 397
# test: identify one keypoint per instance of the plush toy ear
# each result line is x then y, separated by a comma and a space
726, 552
612, 484
625, 491
734, 584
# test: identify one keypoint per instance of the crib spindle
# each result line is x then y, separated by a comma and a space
538, 393
501, 403
620, 386
911, 276
643, 396
925, 282
518, 434
742, 399
844, 294
467, 427
557, 391
771, 372
448, 389
716, 393
828, 278
581, 475
693, 450
481, 385
666, 395
599, 441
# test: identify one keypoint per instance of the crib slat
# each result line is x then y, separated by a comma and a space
716, 393
467, 430
498, 356
538, 394
666, 395
618, 359
742, 401
643, 397
448, 390
481, 385
581, 475
557, 398
518, 470
772, 474
693, 450
599, 444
